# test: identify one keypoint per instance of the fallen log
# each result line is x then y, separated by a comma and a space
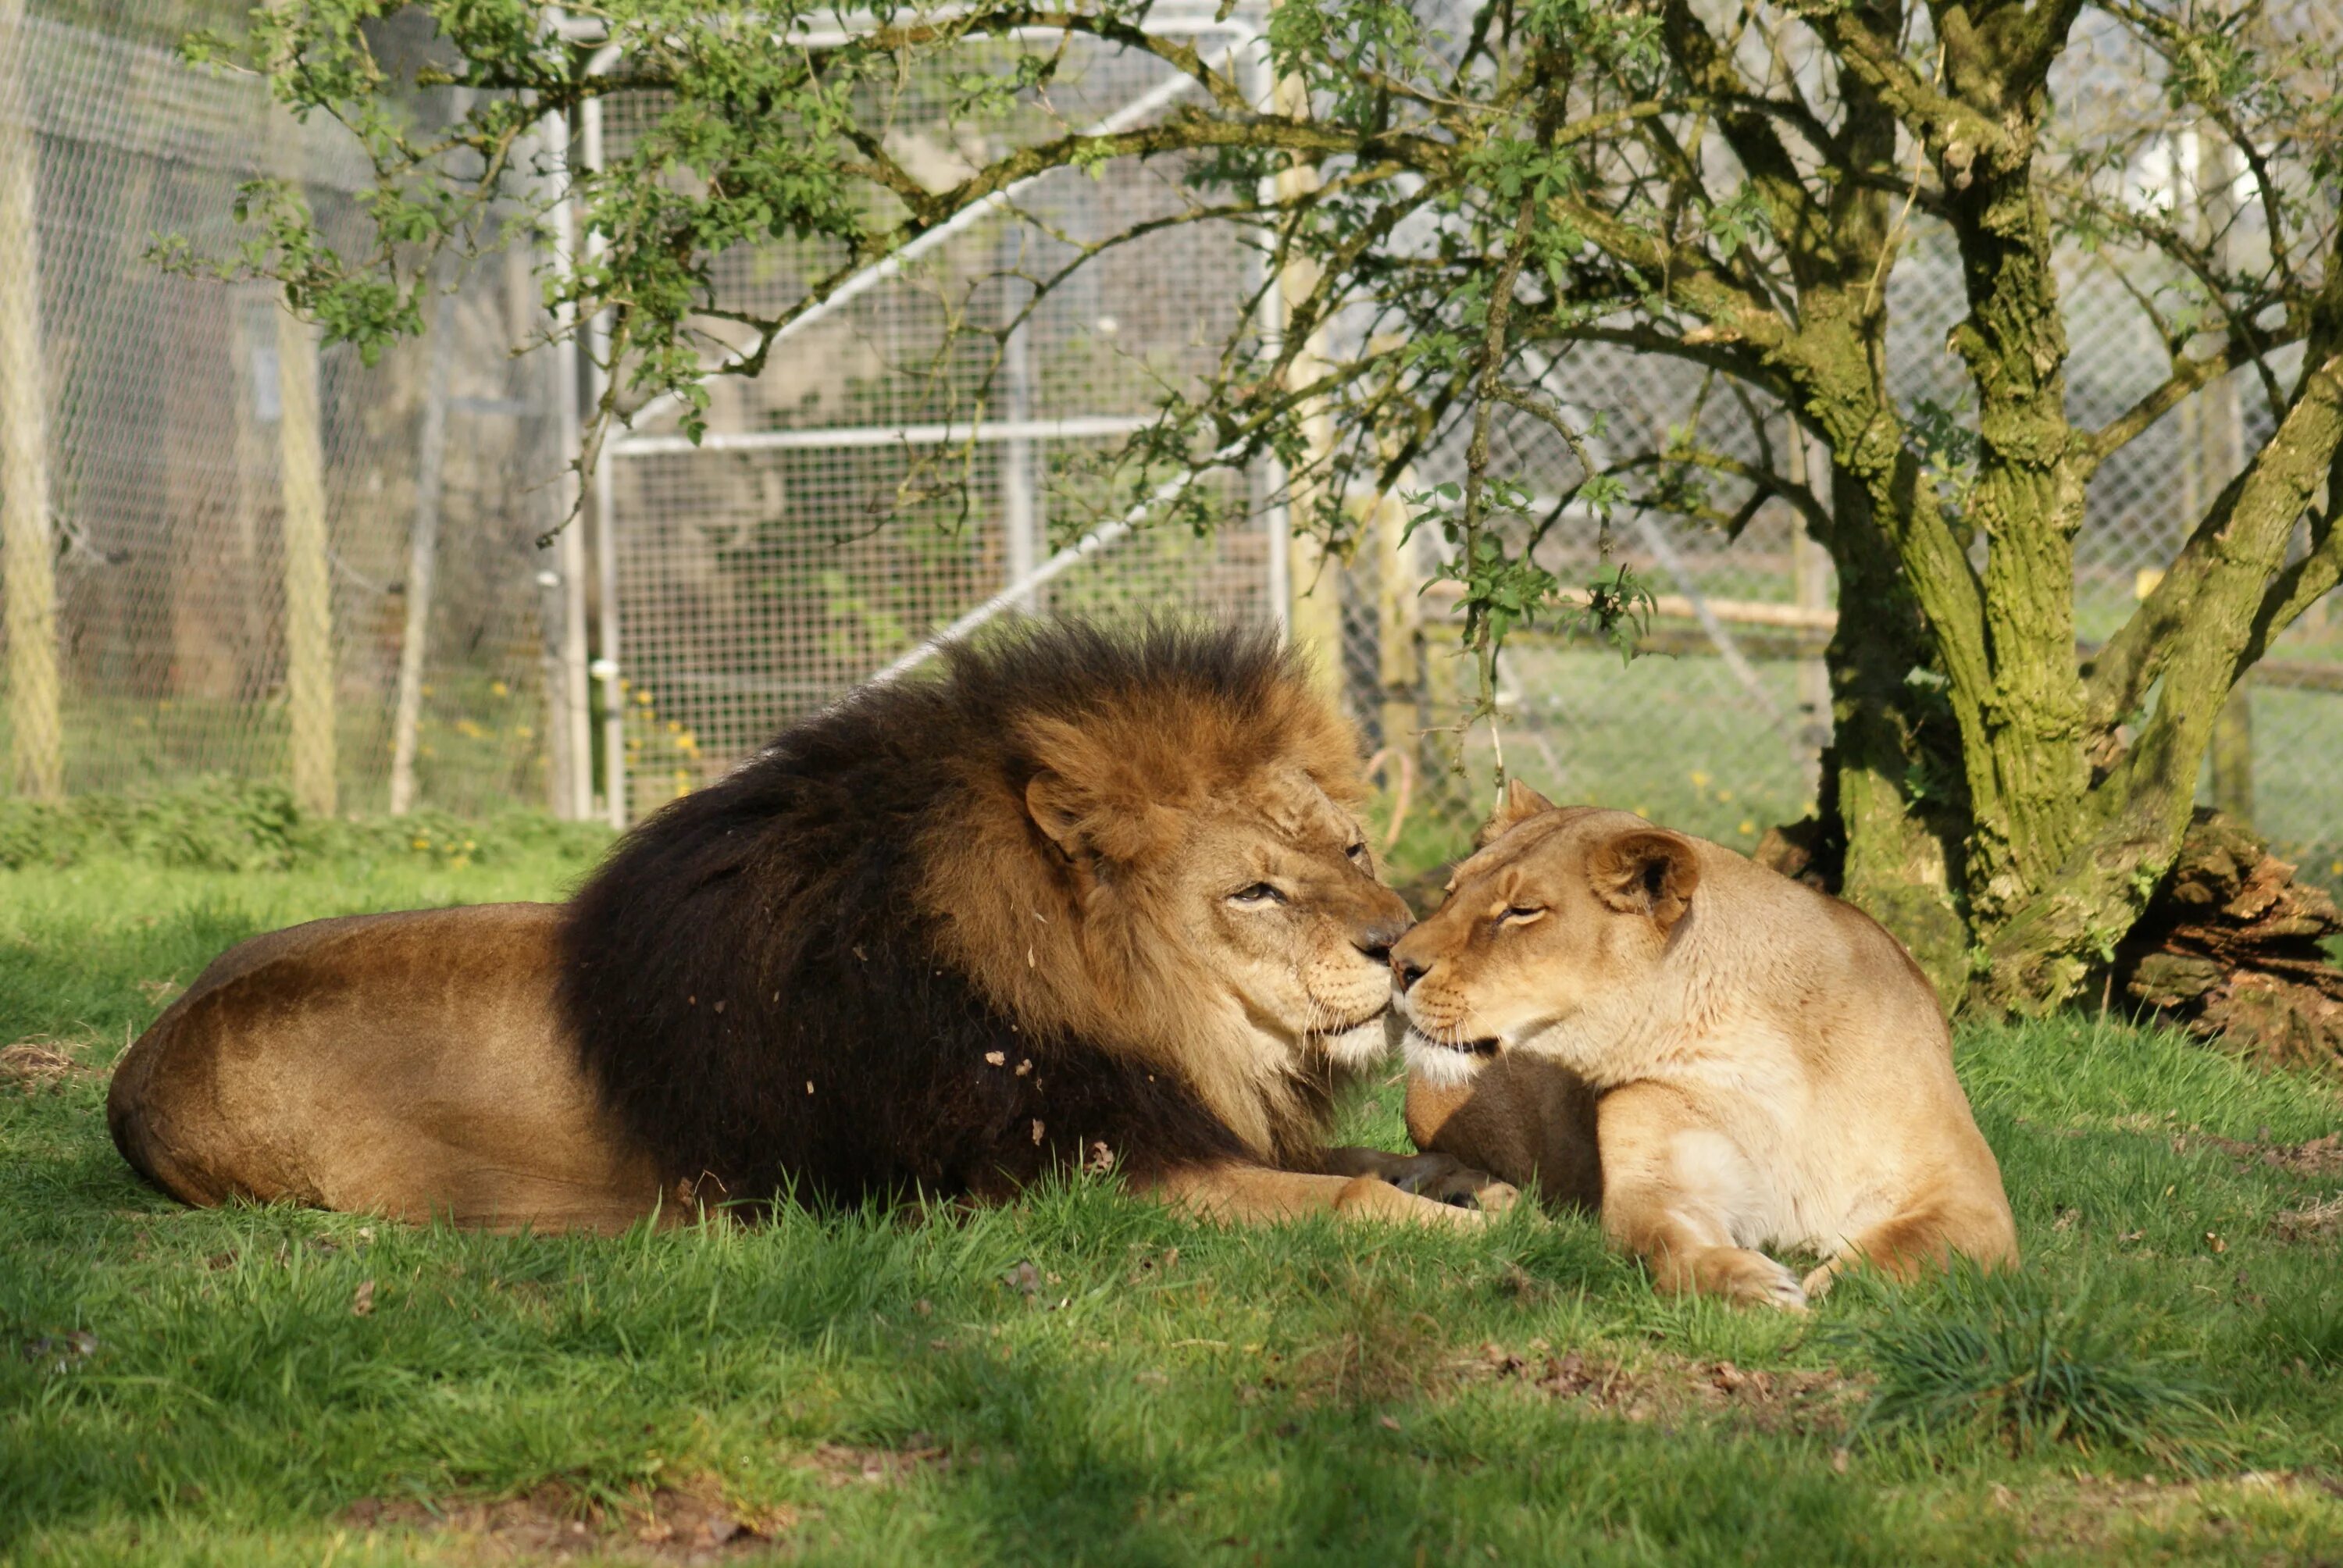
2233, 946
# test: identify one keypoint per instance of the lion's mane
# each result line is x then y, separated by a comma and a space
827, 971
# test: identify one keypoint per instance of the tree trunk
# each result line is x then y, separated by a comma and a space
1889, 800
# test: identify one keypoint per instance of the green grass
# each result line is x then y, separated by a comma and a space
1085, 1378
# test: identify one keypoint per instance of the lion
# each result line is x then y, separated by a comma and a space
1083, 902
1717, 1058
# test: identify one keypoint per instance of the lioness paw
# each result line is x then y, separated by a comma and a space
1753, 1278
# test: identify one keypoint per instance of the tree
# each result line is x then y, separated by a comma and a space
1453, 214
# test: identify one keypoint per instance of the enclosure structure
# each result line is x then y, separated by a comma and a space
267, 561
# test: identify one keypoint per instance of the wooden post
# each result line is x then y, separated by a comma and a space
422, 562
1399, 625
1810, 570
1315, 612
2213, 427
27, 562
308, 583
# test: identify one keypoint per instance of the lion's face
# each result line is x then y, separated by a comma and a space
1560, 907
1276, 893
1180, 875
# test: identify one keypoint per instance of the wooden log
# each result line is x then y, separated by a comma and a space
2233, 947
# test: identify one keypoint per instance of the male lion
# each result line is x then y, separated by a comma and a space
1080, 902
1751, 1063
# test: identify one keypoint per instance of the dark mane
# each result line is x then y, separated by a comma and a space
757, 983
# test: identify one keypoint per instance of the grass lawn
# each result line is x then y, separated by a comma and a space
1087, 1378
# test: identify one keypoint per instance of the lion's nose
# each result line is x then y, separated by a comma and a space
1375, 938
1407, 972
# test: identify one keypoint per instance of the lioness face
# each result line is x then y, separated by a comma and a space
1559, 908
1279, 890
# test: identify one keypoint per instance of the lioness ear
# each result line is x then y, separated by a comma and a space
1649, 871
1521, 803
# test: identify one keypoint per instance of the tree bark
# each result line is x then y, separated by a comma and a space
1885, 806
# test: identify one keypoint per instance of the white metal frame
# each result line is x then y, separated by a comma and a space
1243, 48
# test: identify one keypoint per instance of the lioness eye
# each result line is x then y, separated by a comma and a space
1357, 851
1259, 893
1520, 914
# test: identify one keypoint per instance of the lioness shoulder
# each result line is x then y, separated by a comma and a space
1765, 1065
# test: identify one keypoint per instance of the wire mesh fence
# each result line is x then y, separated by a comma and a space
179, 433
902, 459
926, 447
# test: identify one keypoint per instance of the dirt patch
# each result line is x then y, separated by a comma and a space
2096, 1513
33, 1065
2311, 1221
2318, 1158
1806, 1400
691, 1524
844, 1465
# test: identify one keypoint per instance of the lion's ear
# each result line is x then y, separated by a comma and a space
1114, 821
1649, 871
1521, 803
1057, 809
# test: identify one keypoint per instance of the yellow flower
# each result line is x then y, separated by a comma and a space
522, 733
1642, 811
1699, 780
459, 862
469, 846
1725, 794
499, 688
644, 698
1748, 828
422, 843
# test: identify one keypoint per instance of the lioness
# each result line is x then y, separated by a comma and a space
1764, 1064
1080, 902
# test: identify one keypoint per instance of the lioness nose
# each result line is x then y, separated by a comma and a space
1375, 938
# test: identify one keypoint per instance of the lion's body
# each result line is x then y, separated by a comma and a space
406, 1064
1083, 902
1759, 1064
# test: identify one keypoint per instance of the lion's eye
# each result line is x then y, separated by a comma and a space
1259, 893
1357, 851
1520, 915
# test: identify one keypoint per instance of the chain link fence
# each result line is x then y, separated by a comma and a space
186, 458
865, 491
932, 443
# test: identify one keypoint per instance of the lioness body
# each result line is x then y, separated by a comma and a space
1082, 902
1764, 1064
